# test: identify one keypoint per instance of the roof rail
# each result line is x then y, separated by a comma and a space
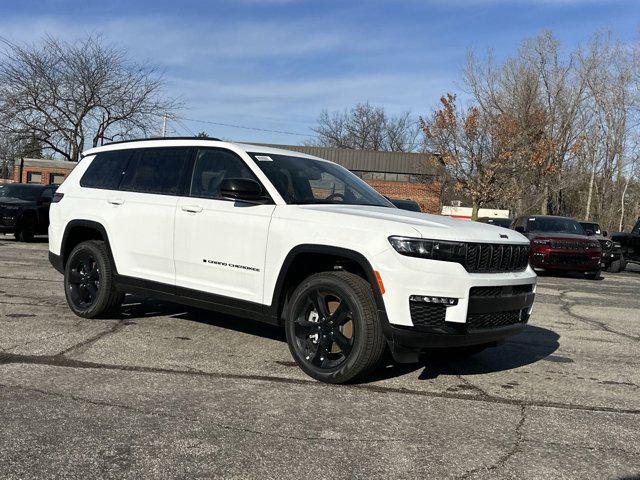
161, 138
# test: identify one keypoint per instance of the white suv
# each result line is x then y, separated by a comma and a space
289, 239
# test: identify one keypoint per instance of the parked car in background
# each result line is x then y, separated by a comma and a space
629, 245
406, 204
498, 222
560, 244
24, 209
611, 251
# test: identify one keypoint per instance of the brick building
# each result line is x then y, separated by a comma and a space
46, 172
414, 176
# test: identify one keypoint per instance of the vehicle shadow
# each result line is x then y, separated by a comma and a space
530, 346
572, 275
138, 307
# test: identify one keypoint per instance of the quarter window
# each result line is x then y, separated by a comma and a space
212, 167
156, 170
106, 170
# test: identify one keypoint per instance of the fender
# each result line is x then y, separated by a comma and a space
357, 257
87, 224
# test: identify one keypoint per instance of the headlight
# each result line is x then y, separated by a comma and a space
608, 244
537, 241
432, 249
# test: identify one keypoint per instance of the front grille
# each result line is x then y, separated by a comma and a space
427, 314
500, 291
570, 258
569, 245
489, 257
478, 321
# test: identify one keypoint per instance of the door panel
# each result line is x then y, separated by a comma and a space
220, 244
220, 248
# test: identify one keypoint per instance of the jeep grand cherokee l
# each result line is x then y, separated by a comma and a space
288, 239
560, 244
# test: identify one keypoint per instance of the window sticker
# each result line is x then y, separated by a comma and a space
532, 219
264, 158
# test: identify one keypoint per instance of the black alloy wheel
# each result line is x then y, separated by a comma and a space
89, 281
84, 280
324, 333
332, 326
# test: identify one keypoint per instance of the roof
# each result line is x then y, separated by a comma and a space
359, 160
46, 163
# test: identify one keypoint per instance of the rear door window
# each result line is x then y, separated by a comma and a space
106, 170
157, 170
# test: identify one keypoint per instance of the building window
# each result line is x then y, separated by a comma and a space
56, 178
403, 177
391, 177
378, 176
34, 177
367, 175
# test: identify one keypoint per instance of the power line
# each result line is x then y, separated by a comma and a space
243, 127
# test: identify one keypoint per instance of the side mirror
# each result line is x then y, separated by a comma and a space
605, 233
519, 229
241, 189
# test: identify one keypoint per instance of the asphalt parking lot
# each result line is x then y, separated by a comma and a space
166, 392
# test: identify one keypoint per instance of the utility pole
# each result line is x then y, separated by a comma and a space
164, 125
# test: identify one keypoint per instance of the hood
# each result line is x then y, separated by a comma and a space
427, 225
15, 201
558, 236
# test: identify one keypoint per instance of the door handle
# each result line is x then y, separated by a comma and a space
115, 201
191, 208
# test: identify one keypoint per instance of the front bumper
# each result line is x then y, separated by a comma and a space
566, 260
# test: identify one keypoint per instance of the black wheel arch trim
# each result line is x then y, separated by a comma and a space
91, 224
360, 259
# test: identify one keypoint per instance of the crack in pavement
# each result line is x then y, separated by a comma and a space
567, 304
66, 362
85, 344
164, 414
515, 448
29, 279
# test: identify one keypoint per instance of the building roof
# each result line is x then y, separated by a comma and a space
45, 163
372, 161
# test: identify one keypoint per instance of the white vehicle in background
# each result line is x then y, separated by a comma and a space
288, 239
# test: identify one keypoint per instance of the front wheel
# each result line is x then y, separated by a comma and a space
332, 327
593, 275
88, 281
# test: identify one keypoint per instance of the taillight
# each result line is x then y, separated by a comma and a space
57, 197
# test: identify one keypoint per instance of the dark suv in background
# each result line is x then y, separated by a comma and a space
560, 244
24, 209
611, 251
629, 245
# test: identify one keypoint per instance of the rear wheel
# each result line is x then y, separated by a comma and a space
332, 327
88, 281
617, 265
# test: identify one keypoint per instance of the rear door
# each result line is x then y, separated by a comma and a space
220, 244
142, 213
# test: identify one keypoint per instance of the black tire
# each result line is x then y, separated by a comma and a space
354, 314
617, 265
24, 234
88, 281
593, 275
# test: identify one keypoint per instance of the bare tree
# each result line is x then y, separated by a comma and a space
70, 95
367, 127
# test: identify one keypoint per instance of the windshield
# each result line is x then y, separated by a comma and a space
20, 191
554, 225
302, 180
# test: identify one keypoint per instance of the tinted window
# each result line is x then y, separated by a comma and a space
106, 170
47, 194
554, 225
156, 170
302, 180
213, 166
21, 191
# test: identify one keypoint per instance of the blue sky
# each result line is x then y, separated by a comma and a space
275, 64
